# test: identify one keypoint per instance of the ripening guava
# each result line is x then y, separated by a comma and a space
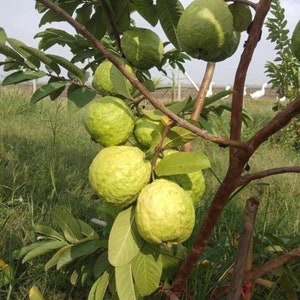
118, 173
144, 130
295, 41
205, 29
109, 121
164, 213
102, 80
142, 47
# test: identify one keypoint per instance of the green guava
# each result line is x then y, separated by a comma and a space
193, 183
142, 47
205, 29
242, 16
144, 130
231, 48
109, 121
118, 173
295, 41
102, 80
164, 213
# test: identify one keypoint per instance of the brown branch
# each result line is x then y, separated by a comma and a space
241, 72
238, 158
200, 99
135, 82
278, 122
271, 265
243, 249
275, 171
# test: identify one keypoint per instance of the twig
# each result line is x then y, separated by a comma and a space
135, 82
243, 248
200, 99
275, 171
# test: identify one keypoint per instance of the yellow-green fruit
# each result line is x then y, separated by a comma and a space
164, 213
118, 173
231, 48
205, 29
242, 16
109, 121
102, 80
193, 183
144, 131
142, 47
296, 41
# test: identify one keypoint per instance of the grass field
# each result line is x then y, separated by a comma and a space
44, 157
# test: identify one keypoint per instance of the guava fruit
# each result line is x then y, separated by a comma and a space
231, 48
142, 47
295, 41
108, 120
144, 129
118, 173
205, 29
242, 16
193, 183
164, 213
102, 80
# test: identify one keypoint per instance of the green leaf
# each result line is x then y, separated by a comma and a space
87, 230
120, 14
182, 163
20, 76
99, 287
119, 82
3, 36
69, 225
124, 241
147, 270
35, 294
79, 73
80, 95
42, 248
6, 273
147, 10
54, 259
177, 136
38, 54
77, 251
96, 24
124, 282
9, 52
46, 90
48, 231
32, 62
169, 12
101, 264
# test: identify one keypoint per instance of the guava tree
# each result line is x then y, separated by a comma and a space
143, 251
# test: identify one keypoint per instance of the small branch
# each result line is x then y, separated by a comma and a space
272, 264
135, 82
200, 99
243, 249
280, 170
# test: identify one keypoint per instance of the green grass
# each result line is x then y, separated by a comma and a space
44, 158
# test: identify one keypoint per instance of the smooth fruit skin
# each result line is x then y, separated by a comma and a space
205, 29
144, 129
142, 47
118, 173
102, 81
109, 121
295, 41
164, 213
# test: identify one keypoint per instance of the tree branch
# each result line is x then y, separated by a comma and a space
275, 171
250, 3
135, 82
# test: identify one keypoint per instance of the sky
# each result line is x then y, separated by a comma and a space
20, 20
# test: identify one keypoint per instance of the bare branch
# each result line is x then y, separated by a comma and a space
275, 171
135, 82
243, 249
